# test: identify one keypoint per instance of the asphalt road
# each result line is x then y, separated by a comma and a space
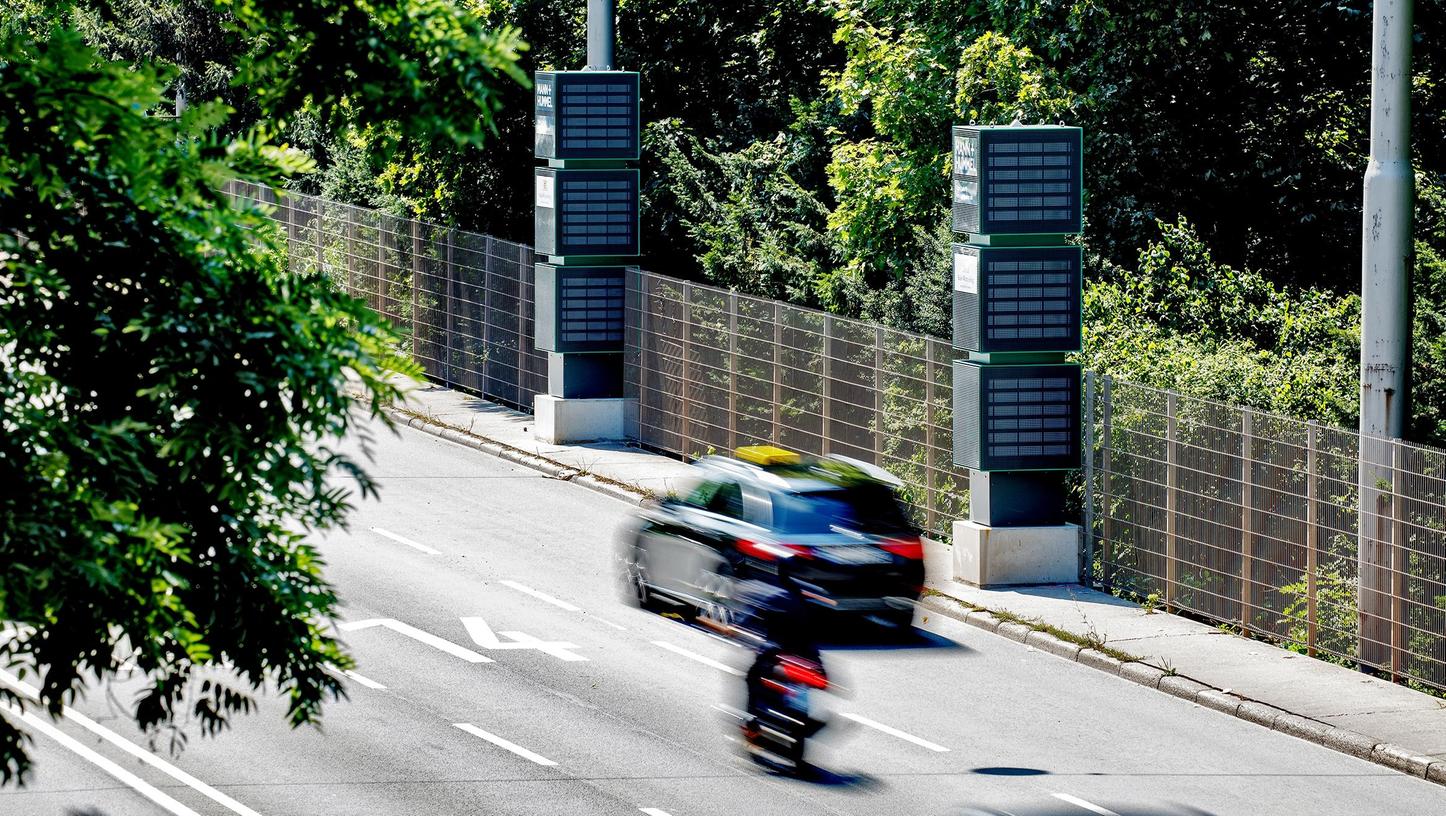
499, 673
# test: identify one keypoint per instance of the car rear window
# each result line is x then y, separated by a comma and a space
869, 508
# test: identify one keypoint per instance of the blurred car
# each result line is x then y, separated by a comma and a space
837, 523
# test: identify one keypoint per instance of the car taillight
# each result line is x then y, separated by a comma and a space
803, 672
910, 548
769, 551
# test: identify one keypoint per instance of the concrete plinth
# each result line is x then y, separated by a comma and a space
987, 556
560, 421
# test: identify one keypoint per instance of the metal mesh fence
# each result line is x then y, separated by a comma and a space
1227, 513
711, 369
1252, 519
462, 300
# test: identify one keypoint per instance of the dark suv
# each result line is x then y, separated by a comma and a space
837, 523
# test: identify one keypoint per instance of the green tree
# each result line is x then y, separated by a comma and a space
173, 392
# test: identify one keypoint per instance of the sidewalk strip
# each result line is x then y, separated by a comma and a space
404, 540
125, 745
502, 743
706, 661
1090, 806
894, 732
126, 777
541, 596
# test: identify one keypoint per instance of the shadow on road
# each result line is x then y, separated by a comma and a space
880, 638
1007, 771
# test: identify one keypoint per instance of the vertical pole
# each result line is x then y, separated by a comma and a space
417, 266
1107, 427
1312, 535
489, 342
827, 407
1172, 498
1399, 565
1087, 556
931, 462
732, 371
383, 281
683, 436
879, 399
778, 373
1247, 517
349, 250
1385, 284
448, 379
601, 21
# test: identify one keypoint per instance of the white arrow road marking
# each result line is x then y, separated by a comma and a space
894, 732
371, 684
417, 634
541, 596
126, 745
404, 540
482, 634
706, 661
1090, 806
502, 743
655, 812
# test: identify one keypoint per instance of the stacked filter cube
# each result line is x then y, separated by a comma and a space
586, 224
1017, 197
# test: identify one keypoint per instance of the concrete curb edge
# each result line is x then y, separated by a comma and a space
628, 493
1324, 734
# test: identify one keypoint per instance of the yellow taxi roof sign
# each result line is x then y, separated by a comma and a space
767, 455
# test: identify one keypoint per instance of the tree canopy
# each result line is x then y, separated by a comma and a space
173, 391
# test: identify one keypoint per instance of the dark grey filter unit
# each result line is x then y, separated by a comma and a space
586, 115
579, 308
1017, 180
1028, 416
1016, 299
586, 214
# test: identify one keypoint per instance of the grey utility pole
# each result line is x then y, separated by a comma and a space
1385, 321
601, 16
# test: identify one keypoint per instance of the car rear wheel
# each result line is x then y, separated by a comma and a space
716, 611
634, 573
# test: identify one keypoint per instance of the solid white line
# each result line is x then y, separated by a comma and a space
369, 683
894, 732
608, 623
413, 632
706, 661
541, 596
655, 812
502, 743
1090, 806
129, 779
135, 750
404, 540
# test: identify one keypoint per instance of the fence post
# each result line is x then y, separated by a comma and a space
1312, 534
931, 462
383, 287
417, 266
732, 371
684, 437
1087, 545
451, 274
321, 240
879, 401
826, 409
349, 250
1107, 542
1398, 561
778, 373
1172, 499
488, 321
1247, 517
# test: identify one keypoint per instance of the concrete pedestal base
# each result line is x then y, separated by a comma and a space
1013, 556
560, 421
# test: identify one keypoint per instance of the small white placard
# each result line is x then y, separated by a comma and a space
966, 272
544, 124
544, 192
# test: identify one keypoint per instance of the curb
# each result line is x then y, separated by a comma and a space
1326, 735
632, 495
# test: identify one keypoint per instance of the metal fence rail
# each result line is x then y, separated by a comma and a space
1231, 514
1251, 519
463, 300
711, 369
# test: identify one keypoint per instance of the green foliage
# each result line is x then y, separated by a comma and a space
173, 390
